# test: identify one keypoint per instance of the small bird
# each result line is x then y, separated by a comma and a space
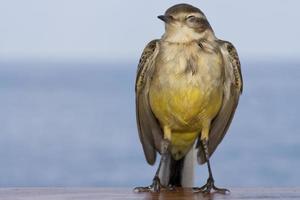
187, 89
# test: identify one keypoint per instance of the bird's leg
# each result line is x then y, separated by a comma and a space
210, 184
156, 186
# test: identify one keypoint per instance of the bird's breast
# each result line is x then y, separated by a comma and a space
186, 88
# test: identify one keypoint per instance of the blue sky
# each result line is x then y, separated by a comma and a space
93, 30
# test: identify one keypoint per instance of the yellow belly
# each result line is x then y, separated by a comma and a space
185, 111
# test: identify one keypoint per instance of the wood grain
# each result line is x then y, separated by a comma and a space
127, 193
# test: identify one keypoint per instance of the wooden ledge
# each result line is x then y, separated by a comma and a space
127, 193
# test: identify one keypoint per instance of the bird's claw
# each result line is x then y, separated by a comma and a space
209, 186
156, 186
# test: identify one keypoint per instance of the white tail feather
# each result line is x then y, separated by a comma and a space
188, 169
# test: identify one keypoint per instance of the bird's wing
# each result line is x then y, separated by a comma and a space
233, 87
149, 129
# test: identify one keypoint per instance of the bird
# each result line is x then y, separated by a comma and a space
187, 89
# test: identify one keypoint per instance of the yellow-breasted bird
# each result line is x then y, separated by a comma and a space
187, 89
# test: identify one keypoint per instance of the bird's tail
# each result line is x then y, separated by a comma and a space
178, 173
176, 169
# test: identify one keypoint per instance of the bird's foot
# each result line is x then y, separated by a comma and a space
209, 186
156, 186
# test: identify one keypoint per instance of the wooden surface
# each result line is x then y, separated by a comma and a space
127, 193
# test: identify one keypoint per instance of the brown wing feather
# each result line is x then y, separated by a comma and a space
233, 86
150, 132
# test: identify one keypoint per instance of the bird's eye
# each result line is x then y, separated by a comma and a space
190, 17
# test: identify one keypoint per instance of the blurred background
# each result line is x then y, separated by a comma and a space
67, 73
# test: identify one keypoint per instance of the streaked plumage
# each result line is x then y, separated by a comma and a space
187, 87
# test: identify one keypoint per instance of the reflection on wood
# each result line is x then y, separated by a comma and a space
127, 193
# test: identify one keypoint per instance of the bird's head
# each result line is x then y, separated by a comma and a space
185, 23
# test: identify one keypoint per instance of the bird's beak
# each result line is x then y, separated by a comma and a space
164, 18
